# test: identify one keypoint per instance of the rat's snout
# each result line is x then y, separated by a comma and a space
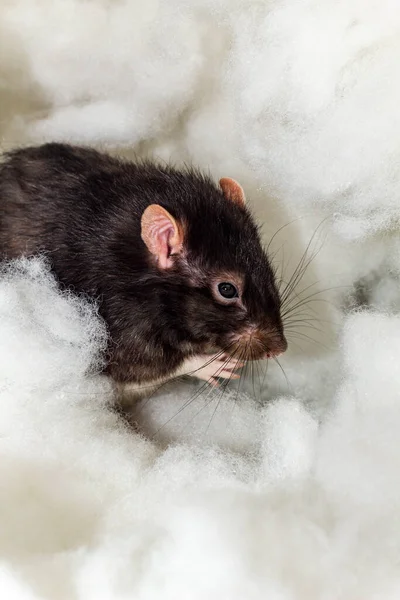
278, 347
255, 343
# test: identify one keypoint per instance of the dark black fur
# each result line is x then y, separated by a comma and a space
83, 209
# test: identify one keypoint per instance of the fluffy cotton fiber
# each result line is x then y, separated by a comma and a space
91, 509
287, 493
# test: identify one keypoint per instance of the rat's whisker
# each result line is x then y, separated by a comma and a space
284, 374
252, 377
212, 393
156, 387
298, 272
296, 277
256, 372
179, 378
220, 395
302, 265
299, 335
162, 384
196, 395
301, 324
297, 325
281, 229
203, 387
265, 375
297, 295
307, 302
302, 301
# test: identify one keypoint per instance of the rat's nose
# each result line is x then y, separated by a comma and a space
258, 343
277, 349
272, 354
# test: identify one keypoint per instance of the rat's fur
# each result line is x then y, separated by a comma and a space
83, 208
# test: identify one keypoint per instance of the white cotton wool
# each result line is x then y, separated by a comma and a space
358, 458
11, 586
72, 340
107, 73
316, 95
372, 346
364, 427
283, 509
196, 414
289, 439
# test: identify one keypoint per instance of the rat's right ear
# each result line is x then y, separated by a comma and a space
162, 234
233, 191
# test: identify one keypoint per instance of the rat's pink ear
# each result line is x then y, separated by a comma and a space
162, 234
232, 191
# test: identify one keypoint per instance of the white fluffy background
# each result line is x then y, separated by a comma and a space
296, 498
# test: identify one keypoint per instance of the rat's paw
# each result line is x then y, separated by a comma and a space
212, 367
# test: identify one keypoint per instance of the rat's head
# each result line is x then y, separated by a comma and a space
224, 290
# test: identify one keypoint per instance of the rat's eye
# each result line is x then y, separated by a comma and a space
227, 290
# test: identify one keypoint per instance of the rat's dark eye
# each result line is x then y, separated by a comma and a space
227, 290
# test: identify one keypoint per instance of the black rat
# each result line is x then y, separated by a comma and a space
174, 261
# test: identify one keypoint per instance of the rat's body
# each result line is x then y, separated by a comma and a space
151, 244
